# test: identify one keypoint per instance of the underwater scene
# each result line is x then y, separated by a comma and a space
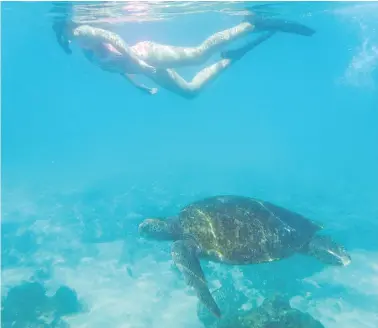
189, 164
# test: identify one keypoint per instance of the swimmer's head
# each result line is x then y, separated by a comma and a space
63, 33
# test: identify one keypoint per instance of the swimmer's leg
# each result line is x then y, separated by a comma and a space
173, 82
204, 77
218, 40
254, 23
166, 56
210, 73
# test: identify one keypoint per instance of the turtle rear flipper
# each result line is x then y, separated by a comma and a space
184, 254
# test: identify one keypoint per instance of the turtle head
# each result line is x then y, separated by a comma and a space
326, 250
159, 229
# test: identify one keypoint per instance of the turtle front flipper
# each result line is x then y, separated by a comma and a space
185, 257
326, 250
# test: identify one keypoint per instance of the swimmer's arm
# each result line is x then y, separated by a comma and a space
142, 87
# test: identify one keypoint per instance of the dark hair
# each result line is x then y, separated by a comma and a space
61, 29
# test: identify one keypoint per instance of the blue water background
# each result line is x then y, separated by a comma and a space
282, 125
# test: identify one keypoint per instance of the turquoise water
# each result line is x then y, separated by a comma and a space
86, 157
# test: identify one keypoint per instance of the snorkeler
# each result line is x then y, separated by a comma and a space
157, 61
108, 51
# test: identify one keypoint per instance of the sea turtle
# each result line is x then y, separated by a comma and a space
238, 230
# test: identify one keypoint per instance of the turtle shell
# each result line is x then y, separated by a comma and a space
244, 230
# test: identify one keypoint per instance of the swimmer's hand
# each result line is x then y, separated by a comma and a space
147, 68
140, 86
152, 70
153, 91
